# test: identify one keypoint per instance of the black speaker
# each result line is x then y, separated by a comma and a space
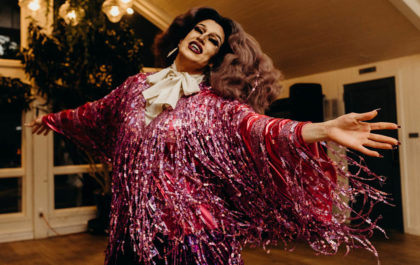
280, 109
306, 102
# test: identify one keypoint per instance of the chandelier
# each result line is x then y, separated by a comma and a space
71, 15
113, 9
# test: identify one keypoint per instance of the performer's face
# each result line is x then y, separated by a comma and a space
199, 46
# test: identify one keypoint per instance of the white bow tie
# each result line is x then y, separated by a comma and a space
167, 87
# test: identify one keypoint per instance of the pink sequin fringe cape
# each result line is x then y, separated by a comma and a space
202, 180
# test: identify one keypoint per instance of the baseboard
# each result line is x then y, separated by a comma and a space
16, 236
68, 229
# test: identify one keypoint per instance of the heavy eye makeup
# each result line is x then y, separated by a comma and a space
212, 39
199, 29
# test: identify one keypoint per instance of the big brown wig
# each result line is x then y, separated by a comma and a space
239, 71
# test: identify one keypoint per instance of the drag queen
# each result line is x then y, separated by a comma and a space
198, 171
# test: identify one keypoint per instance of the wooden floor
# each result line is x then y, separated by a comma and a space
87, 249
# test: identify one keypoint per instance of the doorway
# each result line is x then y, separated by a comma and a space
364, 97
42, 191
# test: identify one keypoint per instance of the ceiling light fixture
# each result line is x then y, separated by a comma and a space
112, 10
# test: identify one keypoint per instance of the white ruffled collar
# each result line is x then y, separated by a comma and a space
166, 88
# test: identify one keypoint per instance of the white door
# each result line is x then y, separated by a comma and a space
41, 194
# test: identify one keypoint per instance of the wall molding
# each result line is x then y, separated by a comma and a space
16, 236
410, 9
155, 15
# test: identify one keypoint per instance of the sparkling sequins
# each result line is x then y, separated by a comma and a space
203, 179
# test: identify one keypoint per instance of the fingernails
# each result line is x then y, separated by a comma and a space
380, 156
394, 147
399, 126
399, 143
378, 109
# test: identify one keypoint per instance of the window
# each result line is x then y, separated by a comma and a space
144, 28
9, 29
10, 138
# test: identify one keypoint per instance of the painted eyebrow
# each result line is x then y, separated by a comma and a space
215, 34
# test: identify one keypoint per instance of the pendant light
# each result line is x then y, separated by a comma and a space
112, 10
71, 15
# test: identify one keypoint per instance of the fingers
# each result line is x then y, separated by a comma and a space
32, 124
38, 127
366, 115
368, 152
383, 139
383, 126
35, 128
42, 130
46, 130
29, 124
377, 141
378, 145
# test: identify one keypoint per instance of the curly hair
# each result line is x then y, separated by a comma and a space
240, 69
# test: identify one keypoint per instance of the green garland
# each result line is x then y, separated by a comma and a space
81, 63
14, 94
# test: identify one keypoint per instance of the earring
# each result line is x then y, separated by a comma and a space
172, 52
254, 86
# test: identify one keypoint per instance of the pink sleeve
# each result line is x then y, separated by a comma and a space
307, 199
92, 126
289, 155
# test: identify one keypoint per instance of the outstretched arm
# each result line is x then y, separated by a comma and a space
91, 126
38, 127
352, 131
295, 171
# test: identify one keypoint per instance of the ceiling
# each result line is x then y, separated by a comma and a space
305, 37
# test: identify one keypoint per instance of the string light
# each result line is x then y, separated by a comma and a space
129, 11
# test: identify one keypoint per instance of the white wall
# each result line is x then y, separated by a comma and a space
407, 77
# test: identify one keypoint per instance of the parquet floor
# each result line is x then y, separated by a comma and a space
81, 249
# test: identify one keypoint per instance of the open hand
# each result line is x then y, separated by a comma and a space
38, 127
352, 130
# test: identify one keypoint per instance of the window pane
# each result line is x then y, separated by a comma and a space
9, 29
144, 28
67, 153
10, 195
10, 138
74, 190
